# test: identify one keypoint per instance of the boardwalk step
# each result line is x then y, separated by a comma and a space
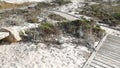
102, 63
96, 65
110, 55
108, 61
111, 44
110, 48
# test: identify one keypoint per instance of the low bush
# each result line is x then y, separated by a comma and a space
45, 32
48, 28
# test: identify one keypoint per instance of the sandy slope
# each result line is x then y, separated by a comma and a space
29, 55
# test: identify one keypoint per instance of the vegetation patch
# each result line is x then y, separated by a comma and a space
116, 15
45, 32
107, 15
42, 5
48, 28
56, 17
32, 20
61, 2
50, 33
115, 12
82, 28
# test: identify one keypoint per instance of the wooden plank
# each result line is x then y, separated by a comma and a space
108, 55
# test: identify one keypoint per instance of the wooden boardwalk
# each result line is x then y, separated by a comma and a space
108, 55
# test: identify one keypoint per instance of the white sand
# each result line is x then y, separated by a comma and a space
39, 56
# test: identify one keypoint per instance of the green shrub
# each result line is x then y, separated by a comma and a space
85, 26
75, 26
116, 15
48, 28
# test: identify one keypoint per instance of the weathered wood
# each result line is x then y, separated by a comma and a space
3, 35
13, 34
108, 55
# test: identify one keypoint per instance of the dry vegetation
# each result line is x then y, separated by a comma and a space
32, 19
45, 32
30, 13
56, 17
61, 2
5, 5
43, 5
106, 13
84, 29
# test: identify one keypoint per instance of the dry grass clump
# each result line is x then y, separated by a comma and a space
42, 5
62, 2
56, 17
32, 20
32, 16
